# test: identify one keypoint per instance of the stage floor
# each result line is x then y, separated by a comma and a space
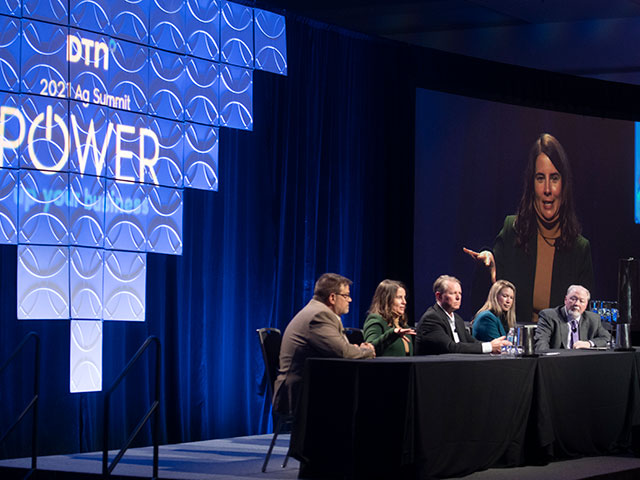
230, 458
241, 458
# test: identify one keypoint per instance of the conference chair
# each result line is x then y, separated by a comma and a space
270, 340
467, 327
354, 335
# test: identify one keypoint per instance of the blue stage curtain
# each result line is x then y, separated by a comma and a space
324, 182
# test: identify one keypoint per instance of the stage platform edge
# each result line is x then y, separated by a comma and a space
241, 458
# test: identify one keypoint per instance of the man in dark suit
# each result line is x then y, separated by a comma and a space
316, 331
441, 330
570, 325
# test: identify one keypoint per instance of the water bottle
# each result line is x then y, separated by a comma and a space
511, 337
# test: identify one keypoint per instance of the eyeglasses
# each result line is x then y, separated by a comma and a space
346, 296
576, 299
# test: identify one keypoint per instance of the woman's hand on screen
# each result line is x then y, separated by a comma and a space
486, 258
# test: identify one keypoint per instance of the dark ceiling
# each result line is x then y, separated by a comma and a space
596, 38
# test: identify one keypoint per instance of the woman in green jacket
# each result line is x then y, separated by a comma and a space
540, 249
386, 325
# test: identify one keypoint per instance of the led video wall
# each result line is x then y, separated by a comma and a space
471, 155
108, 111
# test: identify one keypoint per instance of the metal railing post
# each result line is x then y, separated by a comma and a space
152, 411
33, 403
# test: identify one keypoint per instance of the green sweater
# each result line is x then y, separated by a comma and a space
381, 335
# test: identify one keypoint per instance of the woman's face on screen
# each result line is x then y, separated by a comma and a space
547, 184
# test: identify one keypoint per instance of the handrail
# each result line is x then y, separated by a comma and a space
36, 395
154, 409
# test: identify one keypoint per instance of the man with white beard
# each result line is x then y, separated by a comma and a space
570, 325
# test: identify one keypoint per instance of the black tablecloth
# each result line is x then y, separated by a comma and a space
586, 402
450, 415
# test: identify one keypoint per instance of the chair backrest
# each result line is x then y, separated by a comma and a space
270, 339
354, 335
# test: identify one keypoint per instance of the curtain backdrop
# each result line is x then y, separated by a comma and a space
323, 183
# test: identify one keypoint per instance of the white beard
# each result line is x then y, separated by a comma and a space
573, 315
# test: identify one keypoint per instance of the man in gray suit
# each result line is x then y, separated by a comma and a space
316, 331
570, 325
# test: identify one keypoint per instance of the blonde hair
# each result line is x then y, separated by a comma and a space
494, 307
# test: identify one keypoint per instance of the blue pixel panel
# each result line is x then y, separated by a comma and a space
43, 68
167, 25
47, 143
129, 20
128, 77
202, 91
166, 87
126, 211
270, 42
12, 130
164, 230
202, 24
124, 285
236, 34
201, 158
92, 132
168, 170
43, 210
47, 10
89, 60
43, 282
10, 37
10, 7
87, 205
85, 357
92, 15
8, 206
85, 282
236, 97
123, 151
